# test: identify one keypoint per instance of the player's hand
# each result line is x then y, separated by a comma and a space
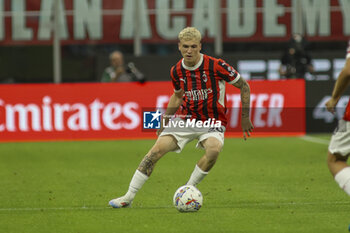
247, 127
330, 105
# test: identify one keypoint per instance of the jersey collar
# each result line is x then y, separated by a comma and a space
193, 67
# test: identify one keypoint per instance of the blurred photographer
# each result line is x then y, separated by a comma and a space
119, 72
296, 62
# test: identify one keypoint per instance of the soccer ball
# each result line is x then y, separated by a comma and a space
188, 198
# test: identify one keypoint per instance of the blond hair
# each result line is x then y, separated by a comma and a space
190, 33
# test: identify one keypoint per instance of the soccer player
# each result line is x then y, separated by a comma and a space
339, 147
199, 94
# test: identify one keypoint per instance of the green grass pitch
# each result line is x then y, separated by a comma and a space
265, 185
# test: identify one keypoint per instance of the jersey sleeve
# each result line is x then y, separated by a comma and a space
227, 72
175, 79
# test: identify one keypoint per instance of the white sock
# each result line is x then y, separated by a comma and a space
197, 176
135, 184
343, 179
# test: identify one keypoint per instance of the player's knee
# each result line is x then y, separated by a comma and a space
212, 152
214, 148
212, 143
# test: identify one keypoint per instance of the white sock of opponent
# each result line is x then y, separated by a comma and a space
343, 179
136, 183
197, 176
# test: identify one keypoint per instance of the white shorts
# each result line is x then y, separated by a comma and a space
340, 141
186, 135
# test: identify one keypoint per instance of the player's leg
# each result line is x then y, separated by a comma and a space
212, 146
336, 162
340, 170
163, 145
338, 153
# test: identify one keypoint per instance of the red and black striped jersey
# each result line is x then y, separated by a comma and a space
204, 88
347, 110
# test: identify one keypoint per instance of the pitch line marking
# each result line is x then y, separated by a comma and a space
53, 208
315, 140
238, 205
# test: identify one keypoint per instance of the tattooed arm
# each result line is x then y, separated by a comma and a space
247, 125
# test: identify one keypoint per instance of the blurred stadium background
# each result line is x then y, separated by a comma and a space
245, 33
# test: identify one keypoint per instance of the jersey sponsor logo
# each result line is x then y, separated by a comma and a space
201, 94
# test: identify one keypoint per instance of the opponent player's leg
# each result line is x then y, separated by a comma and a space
338, 153
163, 145
340, 170
212, 146
336, 163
